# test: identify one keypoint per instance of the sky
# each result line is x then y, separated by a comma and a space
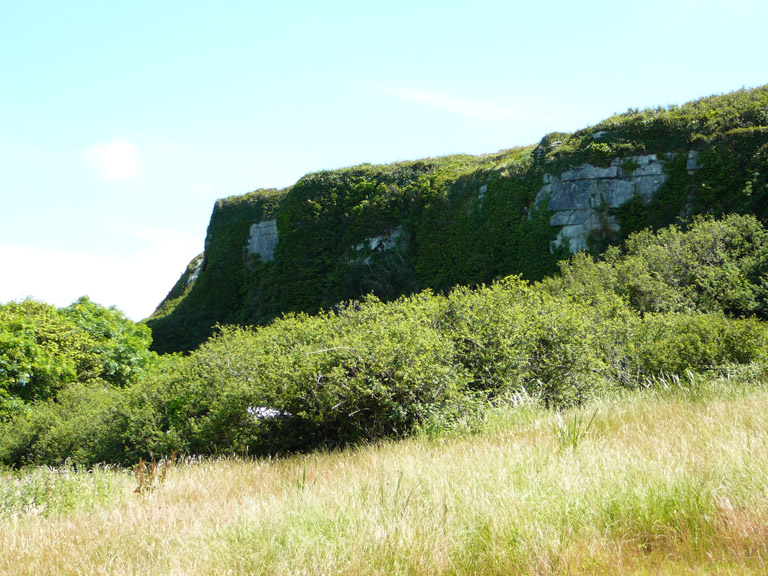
121, 123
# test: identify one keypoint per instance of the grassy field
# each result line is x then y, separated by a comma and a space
666, 481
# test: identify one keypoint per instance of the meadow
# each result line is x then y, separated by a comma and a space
669, 479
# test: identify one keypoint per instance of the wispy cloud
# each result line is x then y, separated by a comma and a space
115, 160
471, 108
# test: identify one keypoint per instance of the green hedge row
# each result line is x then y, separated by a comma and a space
671, 302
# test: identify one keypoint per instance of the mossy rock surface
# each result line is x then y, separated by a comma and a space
459, 220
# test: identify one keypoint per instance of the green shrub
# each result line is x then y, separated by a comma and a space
511, 338
41, 351
366, 371
119, 346
676, 343
713, 266
82, 426
44, 349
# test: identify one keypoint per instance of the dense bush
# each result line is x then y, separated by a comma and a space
63, 376
91, 423
512, 338
674, 343
41, 351
713, 266
363, 372
44, 349
81, 426
120, 348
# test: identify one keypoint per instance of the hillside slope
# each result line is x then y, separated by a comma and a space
436, 223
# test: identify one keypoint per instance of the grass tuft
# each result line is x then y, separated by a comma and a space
569, 434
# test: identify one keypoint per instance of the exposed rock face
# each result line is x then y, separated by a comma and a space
481, 194
579, 197
693, 162
380, 243
263, 240
195, 272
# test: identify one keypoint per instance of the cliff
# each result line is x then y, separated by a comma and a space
435, 223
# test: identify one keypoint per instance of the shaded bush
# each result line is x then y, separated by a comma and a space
674, 343
80, 426
366, 371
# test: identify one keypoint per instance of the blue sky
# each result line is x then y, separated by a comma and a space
122, 123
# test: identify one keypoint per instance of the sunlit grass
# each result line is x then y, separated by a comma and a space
662, 481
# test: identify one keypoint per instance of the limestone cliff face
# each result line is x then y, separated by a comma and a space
263, 239
440, 222
582, 198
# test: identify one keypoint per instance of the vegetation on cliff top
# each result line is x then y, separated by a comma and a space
466, 220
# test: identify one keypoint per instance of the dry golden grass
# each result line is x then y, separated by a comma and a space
658, 485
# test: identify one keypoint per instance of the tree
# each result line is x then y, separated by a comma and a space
44, 349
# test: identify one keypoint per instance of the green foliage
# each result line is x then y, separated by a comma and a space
47, 491
119, 346
41, 351
61, 372
466, 236
714, 266
677, 343
663, 129
734, 173
463, 220
44, 349
365, 372
81, 426
513, 339
90, 424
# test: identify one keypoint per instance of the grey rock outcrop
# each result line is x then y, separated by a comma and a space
380, 243
581, 196
195, 273
263, 240
692, 164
